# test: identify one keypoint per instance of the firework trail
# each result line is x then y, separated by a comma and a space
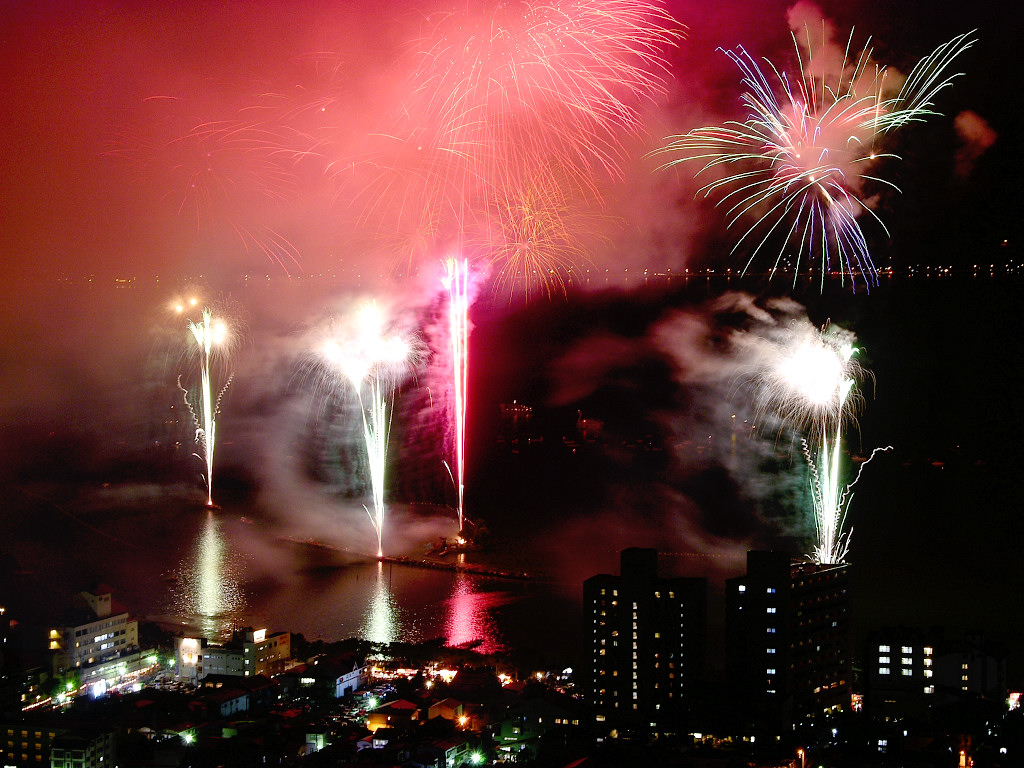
798, 164
371, 358
558, 81
456, 282
216, 173
809, 379
498, 97
831, 502
538, 236
211, 337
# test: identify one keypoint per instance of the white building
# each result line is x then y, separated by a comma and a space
250, 653
96, 632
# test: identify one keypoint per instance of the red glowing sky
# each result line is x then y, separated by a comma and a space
83, 81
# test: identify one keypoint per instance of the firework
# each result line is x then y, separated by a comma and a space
539, 235
456, 282
556, 80
798, 164
370, 359
806, 376
212, 339
809, 379
499, 95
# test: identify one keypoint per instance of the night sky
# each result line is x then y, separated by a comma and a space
100, 94
102, 176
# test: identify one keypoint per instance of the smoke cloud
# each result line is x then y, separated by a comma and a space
976, 136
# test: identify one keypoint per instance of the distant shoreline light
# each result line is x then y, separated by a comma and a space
586, 277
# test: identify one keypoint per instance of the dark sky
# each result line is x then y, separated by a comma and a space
106, 170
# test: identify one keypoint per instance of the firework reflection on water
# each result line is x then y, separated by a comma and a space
211, 583
381, 618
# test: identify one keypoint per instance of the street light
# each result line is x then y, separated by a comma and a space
803, 757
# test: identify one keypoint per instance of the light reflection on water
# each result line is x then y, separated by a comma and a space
380, 621
230, 573
209, 572
210, 582
470, 620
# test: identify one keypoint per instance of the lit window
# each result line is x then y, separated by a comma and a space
883, 670
883, 649
927, 650
771, 650
883, 659
929, 689
770, 591
906, 649
741, 588
770, 670
770, 610
927, 662
906, 672
927, 673
771, 630
906, 661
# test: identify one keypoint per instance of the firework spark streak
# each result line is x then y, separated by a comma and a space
371, 359
500, 96
211, 171
209, 334
456, 281
831, 501
809, 379
554, 80
798, 164
537, 238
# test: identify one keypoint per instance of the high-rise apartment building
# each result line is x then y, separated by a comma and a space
820, 651
646, 641
757, 640
788, 640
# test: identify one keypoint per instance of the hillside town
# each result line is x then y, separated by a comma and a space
101, 689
